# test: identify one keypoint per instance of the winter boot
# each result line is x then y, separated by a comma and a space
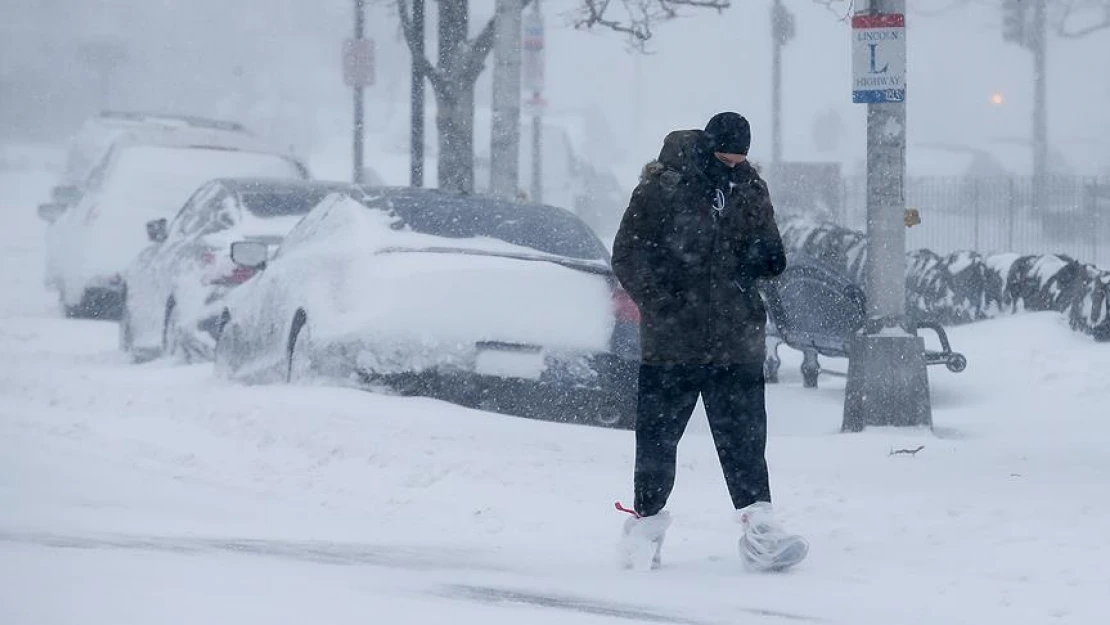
642, 541
765, 545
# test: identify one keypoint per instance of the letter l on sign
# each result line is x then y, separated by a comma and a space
874, 70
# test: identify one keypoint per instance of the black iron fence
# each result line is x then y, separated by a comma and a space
998, 215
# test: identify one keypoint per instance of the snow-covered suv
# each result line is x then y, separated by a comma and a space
89, 245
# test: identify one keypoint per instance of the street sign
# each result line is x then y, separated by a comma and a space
532, 70
535, 106
878, 58
358, 63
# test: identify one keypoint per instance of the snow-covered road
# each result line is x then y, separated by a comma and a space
154, 493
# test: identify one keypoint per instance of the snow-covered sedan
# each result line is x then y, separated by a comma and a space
503, 305
173, 290
89, 245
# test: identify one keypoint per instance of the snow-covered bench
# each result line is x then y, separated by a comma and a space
817, 312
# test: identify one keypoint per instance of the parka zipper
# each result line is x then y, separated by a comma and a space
717, 216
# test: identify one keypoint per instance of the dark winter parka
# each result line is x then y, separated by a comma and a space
690, 265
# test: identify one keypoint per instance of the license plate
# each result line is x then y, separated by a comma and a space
506, 363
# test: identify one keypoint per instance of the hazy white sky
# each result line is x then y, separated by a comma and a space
275, 64
707, 63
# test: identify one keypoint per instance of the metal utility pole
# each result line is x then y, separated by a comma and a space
359, 125
534, 77
1025, 22
505, 135
416, 137
1038, 42
358, 73
537, 157
782, 31
637, 107
887, 380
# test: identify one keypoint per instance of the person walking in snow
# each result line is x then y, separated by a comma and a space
698, 233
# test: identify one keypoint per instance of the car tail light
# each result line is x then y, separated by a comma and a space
624, 307
238, 276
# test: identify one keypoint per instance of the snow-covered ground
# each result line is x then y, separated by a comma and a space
156, 494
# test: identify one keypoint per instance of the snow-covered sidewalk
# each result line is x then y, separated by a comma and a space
140, 494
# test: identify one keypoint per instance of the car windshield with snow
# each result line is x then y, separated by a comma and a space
506, 305
536, 227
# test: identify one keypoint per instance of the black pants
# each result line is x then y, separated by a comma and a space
734, 403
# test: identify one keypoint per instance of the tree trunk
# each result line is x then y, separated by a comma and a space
455, 99
505, 137
461, 60
455, 127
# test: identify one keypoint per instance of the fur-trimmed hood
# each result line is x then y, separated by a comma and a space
680, 153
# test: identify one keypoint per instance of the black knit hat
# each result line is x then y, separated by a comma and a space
728, 132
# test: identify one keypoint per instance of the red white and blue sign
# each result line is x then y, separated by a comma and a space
878, 58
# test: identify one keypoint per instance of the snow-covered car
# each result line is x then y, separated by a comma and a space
174, 289
89, 245
96, 136
502, 305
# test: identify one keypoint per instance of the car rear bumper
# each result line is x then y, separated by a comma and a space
572, 386
606, 397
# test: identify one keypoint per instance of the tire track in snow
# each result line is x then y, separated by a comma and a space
423, 559
317, 552
492, 595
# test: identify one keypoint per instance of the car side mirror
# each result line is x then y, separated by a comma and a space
156, 230
66, 194
251, 254
51, 211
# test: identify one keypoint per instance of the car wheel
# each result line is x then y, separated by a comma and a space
171, 335
300, 367
70, 312
617, 410
126, 333
227, 354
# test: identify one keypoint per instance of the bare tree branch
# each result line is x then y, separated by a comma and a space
474, 52
423, 65
842, 14
638, 16
955, 4
1070, 9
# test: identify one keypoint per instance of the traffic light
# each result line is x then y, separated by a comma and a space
1014, 21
